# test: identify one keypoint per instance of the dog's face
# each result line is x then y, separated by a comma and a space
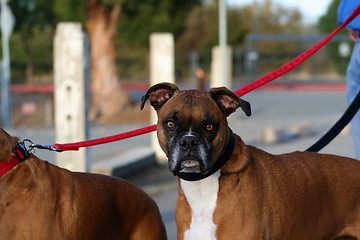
192, 128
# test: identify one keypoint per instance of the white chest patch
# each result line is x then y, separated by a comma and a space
201, 196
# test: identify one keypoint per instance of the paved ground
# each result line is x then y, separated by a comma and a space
316, 111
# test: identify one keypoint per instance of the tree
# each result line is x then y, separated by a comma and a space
201, 29
326, 24
108, 98
141, 18
138, 19
201, 32
32, 16
100, 19
328, 21
106, 29
202, 24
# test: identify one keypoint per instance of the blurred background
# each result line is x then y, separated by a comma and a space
263, 34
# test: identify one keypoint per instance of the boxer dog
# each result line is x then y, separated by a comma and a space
230, 190
39, 200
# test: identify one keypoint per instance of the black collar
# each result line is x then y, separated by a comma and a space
219, 163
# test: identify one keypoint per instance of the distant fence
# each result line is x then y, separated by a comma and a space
259, 55
33, 104
263, 53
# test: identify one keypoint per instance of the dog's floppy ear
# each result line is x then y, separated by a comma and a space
7, 143
228, 101
159, 94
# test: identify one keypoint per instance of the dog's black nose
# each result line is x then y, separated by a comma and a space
189, 142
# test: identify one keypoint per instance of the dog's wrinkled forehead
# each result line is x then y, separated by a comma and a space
219, 98
191, 104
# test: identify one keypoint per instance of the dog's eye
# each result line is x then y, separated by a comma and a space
209, 127
170, 124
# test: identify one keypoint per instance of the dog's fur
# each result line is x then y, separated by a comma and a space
255, 195
41, 201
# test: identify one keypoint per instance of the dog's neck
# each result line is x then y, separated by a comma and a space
20, 154
6, 166
201, 196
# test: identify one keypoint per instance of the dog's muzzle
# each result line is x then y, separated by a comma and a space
189, 154
195, 176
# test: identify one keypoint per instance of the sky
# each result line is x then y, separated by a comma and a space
311, 9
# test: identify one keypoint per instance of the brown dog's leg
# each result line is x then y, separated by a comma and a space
150, 228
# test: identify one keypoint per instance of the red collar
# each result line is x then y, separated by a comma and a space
21, 153
7, 165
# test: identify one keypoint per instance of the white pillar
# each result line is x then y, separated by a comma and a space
217, 77
162, 69
7, 22
70, 76
223, 51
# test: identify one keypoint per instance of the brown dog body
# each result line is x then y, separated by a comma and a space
41, 201
254, 195
291, 196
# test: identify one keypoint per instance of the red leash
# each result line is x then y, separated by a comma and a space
93, 142
296, 61
245, 89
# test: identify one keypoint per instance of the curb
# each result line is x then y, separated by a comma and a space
123, 164
273, 135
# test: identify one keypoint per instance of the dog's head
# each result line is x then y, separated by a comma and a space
192, 127
7, 143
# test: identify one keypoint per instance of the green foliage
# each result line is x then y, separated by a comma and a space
34, 20
201, 29
326, 24
41, 56
140, 18
31, 13
328, 21
69, 10
193, 23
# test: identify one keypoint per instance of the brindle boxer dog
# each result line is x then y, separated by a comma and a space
41, 201
230, 190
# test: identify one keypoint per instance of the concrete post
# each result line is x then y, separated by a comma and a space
71, 72
7, 22
162, 69
217, 79
223, 51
